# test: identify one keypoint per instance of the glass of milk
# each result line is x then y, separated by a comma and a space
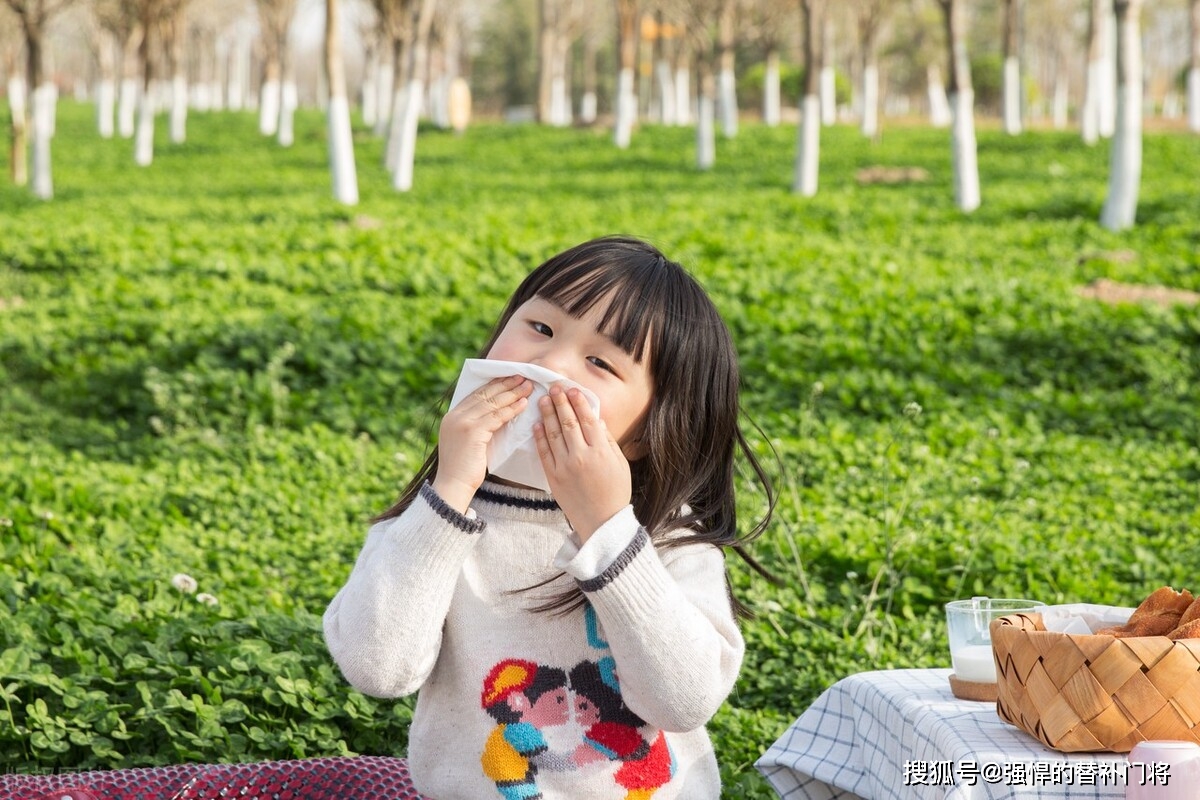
967, 624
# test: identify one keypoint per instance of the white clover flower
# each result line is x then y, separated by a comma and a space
5, 522
184, 583
913, 410
47, 515
993, 433
818, 389
208, 599
1022, 464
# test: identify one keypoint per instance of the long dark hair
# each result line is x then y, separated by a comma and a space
683, 488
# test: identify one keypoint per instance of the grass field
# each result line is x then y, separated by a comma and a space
210, 368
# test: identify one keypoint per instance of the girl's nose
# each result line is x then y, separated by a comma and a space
555, 362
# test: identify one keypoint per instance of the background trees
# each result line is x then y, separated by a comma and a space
619, 63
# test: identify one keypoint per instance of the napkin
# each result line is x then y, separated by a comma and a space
1083, 618
512, 453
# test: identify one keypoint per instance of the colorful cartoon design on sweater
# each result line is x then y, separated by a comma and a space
555, 720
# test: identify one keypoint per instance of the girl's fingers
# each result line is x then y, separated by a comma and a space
589, 425
552, 427
568, 419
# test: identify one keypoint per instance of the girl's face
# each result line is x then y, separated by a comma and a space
541, 332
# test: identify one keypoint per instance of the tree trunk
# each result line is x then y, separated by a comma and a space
179, 84
1125, 170
1012, 67
106, 87
337, 110
1193, 76
828, 76
727, 83
771, 91
664, 90
143, 145
127, 101
808, 144
269, 99
560, 89
868, 35
627, 45
706, 101
402, 178
588, 104
939, 108
18, 153
962, 104
547, 36
682, 82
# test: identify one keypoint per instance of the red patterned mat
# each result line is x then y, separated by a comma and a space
341, 778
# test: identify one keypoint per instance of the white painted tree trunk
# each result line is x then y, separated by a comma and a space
964, 151
386, 100
179, 108
1090, 114
828, 95
1060, 108
626, 109
706, 134
1125, 170
870, 98
41, 134
587, 108
127, 104
369, 108
1193, 99
683, 95
1012, 96
143, 144
1107, 108
269, 102
665, 91
940, 115
560, 102
341, 151
808, 147
402, 178
391, 150
727, 102
289, 98
106, 107
771, 92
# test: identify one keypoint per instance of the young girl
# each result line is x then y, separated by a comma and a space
572, 644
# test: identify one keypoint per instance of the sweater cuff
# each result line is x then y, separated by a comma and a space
467, 523
602, 549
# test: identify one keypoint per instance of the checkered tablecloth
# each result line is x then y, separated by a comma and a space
901, 734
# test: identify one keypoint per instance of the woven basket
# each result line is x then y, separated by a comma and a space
1095, 693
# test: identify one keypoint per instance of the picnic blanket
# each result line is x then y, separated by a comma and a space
337, 778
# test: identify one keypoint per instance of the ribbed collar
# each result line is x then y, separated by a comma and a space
497, 501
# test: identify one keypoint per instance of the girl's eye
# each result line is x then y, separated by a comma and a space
541, 328
602, 364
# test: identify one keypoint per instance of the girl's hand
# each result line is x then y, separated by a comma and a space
465, 432
587, 472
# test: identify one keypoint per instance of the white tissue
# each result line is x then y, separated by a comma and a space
1083, 618
512, 453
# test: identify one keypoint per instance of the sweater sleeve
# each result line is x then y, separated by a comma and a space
384, 627
670, 625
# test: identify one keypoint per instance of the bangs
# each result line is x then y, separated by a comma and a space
638, 300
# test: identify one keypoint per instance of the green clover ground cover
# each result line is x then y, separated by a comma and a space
209, 368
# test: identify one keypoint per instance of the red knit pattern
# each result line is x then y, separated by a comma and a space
340, 778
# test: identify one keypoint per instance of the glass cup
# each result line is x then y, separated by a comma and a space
1164, 770
967, 624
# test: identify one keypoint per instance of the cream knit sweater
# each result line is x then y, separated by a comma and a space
605, 702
